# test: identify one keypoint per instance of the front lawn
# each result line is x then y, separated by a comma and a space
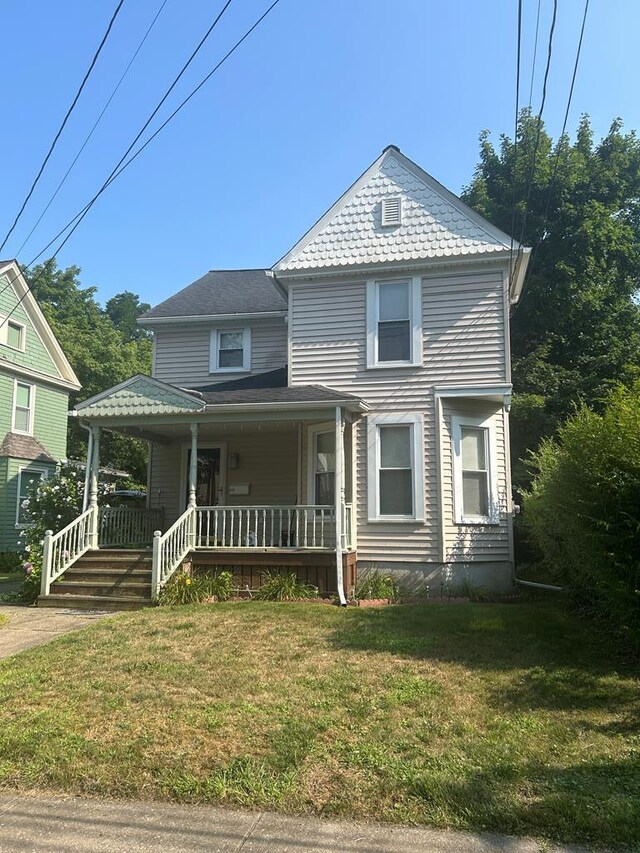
511, 718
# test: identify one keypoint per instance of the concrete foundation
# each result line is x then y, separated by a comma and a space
413, 577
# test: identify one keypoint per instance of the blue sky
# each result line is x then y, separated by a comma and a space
299, 111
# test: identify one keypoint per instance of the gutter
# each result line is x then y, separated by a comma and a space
208, 318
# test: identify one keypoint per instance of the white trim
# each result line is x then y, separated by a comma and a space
374, 422
44, 472
415, 322
313, 430
491, 452
5, 322
32, 407
214, 353
498, 393
207, 318
39, 324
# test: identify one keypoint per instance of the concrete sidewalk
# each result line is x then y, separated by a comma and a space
73, 825
33, 626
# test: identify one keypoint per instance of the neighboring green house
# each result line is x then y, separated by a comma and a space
35, 381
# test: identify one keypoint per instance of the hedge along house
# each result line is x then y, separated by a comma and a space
35, 382
347, 408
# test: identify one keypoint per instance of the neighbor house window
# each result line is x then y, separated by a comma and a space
395, 469
230, 350
473, 459
394, 333
26, 478
323, 467
12, 334
23, 407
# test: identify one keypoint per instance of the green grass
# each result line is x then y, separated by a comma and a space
509, 718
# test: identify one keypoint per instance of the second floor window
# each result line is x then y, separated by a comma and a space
12, 334
230, 350
23, 408
394, 327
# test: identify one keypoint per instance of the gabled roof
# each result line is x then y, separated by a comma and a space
140, 395
67, 377
435, 223
221, 292
24, 447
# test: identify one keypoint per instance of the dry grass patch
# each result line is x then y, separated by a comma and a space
510, 718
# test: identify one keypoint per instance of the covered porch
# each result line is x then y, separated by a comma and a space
245, 480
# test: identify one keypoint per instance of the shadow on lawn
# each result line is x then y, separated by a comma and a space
558, 662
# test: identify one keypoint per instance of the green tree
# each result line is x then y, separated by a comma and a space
577, 328
99, 353
124, 309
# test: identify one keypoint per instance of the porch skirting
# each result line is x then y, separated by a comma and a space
247, 566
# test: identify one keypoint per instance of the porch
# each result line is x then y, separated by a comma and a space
208, 459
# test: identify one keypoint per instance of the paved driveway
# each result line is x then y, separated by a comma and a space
33, 626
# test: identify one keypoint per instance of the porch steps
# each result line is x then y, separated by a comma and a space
104, 580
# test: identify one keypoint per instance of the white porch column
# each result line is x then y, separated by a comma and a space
87, 468
339, 501
193, 466
93, 487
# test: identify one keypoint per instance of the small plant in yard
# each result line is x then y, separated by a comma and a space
375, 584
279, 586
467, 589
185, 588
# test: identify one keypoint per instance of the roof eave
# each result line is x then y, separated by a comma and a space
209, 318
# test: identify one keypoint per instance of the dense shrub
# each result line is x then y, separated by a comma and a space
10, 561
280, 586
185, 588
583, 510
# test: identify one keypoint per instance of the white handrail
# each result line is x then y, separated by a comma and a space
63, 548
170, 549
286, 526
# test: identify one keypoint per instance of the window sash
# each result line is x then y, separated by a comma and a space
15, 334
23, 408
394, 323
324, 468
230, 350
474, 471
25, 478
395, 471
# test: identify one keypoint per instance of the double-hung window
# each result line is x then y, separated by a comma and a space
394, 333
323, 467
230, 350
395, 467
474, 475
27, 477
23, 396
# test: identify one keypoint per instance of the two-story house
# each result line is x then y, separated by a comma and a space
35, 381
346, 409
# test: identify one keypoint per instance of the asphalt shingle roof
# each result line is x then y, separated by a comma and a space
223, 292
294, 394
24, 447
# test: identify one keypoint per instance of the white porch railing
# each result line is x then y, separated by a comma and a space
170, 549
126, 525
62, 549
309, 527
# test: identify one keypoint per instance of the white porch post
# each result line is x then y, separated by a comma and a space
87, 469
93, 487
339, 501
193, 466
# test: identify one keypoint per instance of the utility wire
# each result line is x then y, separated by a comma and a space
515, 145
535, 53
62, 126
558, 152
79, 216
97, 122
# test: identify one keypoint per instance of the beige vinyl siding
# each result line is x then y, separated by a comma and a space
182, 352
463, 343
474, 541
267, 462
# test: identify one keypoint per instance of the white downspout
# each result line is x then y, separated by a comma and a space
339, 503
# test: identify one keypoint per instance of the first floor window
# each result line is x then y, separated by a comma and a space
229, 350
23, 408
395, 475
472, 458
324, 473
26, 481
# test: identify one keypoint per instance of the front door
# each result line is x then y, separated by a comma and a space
208, 478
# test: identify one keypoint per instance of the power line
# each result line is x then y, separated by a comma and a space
79, 216
64, 121
515, 144
97, 122
535, 53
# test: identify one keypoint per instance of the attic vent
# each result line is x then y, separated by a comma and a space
392, 210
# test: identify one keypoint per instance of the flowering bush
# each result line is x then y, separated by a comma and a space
50, 505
